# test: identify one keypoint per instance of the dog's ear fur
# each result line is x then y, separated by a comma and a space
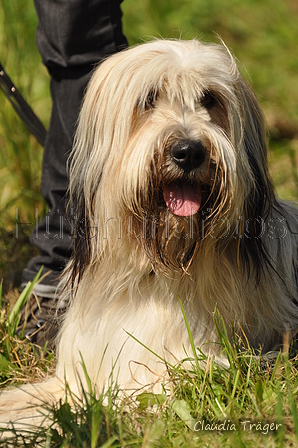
90, 152
259, 203
81, 244
255, 138
81, 193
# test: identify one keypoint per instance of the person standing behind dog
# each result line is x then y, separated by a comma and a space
72, 36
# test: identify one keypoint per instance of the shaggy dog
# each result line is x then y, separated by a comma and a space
172, 198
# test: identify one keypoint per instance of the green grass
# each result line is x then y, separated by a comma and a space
254, 400
19, 361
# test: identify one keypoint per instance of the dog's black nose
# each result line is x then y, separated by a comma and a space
188, 154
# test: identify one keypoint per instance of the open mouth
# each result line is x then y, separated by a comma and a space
182, 198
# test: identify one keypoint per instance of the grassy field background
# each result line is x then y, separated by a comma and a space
263, 35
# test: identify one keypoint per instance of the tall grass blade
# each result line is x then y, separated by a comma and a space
1, 283
148, 348
194, 351
13, 318
279, 412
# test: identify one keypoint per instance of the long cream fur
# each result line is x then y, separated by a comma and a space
133, 256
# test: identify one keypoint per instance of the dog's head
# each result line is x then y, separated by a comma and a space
170, 152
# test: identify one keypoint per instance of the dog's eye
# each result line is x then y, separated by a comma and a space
150, 100
208, 100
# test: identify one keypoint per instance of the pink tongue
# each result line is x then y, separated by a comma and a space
182, 199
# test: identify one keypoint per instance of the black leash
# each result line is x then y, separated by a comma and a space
23, 109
